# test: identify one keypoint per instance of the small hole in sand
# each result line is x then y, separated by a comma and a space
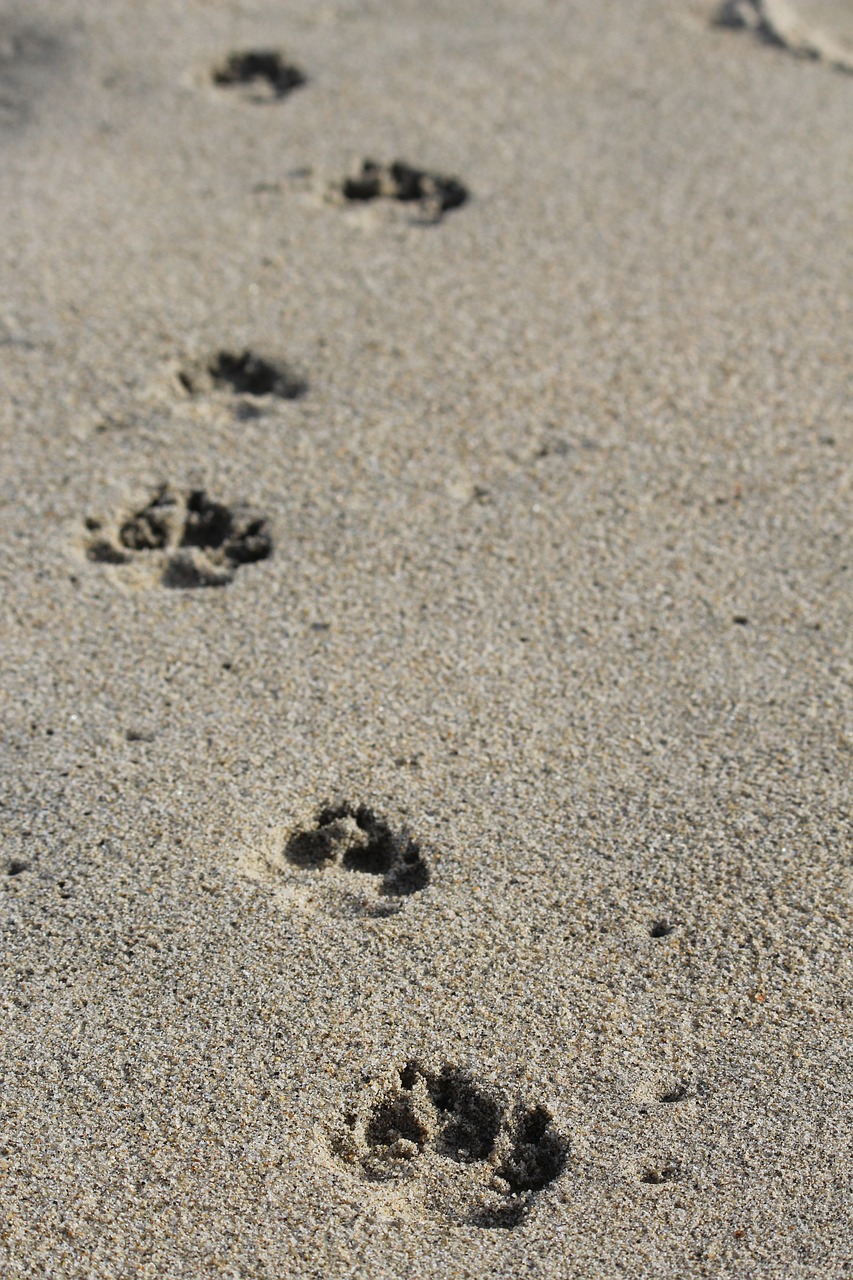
676, 1094
103, 552
16, 867
208, 523
661, 929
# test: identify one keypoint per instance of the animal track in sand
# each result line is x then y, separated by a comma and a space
185, 539
463, 1152
263, 72
435, 193
344, 856
244, 373
778, 23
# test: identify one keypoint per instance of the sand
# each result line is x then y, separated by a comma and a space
425, 640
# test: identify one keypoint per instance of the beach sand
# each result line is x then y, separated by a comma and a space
425, 641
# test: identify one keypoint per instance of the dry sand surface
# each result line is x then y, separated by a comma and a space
426, 639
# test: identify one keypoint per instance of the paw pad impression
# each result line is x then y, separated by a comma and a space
244, 373
435, 192
356, 839
478, 1160
188, 539
264, 71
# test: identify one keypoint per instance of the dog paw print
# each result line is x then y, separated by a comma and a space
183, 539
345, 858
263, 74
435, 193
355, 839
242, 373
464, 1153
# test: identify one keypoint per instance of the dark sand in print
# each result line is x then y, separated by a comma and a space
426, 640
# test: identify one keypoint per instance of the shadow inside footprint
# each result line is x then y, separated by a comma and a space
150, 529
208, 524
471, 1119
394, 1129
538, 1152
261, 69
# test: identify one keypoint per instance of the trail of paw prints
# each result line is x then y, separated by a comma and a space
182, 539
776, 22
434, 193
465, 1154
262, 75
346, 858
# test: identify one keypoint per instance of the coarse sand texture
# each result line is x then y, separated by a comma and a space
425, 640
